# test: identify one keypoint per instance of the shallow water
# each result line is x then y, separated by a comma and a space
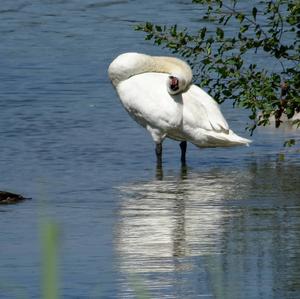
226, 226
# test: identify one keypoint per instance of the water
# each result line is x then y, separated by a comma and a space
227, 226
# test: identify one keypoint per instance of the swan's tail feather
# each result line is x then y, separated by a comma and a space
238, 140
214, 139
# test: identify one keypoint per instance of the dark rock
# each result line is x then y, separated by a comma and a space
9, 198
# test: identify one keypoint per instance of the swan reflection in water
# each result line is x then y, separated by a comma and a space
220, 234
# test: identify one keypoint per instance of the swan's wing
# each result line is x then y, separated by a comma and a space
201, 111
147, 100
203, 123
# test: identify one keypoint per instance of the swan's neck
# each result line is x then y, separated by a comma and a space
131, 64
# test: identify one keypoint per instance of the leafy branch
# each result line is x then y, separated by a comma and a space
229, 64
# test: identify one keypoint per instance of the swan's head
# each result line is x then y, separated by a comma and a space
176, 84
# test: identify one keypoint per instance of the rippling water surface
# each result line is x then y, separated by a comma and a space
226, 226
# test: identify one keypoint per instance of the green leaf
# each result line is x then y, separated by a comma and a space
258, 33
148, 26
220, 33
289, 112
289, 143
172, 45
221, 20
240, 17
244, 28
206, 61
203, 32
208, 49
254, 12
227, 92
158, 28
149, 36
173, 30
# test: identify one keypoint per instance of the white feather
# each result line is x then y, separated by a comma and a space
190, 115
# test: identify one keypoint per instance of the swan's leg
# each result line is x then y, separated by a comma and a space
158, 151
158, 136
183, 146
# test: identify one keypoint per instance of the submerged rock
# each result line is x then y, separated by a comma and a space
9, 198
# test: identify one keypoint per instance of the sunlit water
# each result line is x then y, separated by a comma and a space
226, 226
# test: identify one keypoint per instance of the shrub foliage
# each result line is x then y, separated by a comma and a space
256, 65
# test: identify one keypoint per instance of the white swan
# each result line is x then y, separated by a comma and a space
158, 93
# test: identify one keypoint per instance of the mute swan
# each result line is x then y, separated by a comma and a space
158, 93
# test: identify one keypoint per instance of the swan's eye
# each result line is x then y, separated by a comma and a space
174, 83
